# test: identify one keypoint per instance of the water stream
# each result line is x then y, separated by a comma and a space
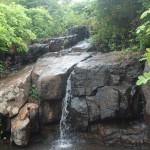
64, 140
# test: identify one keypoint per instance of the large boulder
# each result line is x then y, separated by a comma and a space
14, 91
25, 122
59, 43
108, 101
78, 111
81, 31
106, 85
51, 73
36, 50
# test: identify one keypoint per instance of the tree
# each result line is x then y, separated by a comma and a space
145, 29
14, 32
41, 22
116, 23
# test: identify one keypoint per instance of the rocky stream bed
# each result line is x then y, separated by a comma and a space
103, 103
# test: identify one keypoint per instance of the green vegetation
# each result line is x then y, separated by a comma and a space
24, 20
14, 32
113, 24
34, 92
144, 31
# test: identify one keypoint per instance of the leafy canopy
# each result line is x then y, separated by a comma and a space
145, 29
14, 32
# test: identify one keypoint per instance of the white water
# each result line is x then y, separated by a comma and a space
64, 141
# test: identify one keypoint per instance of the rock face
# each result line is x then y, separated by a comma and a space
14, 91
103, 88
50, 74
124, 132
81, 32
36, 50
50, 111
82, 46
26, 121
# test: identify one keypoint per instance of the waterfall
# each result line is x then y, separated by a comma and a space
64, 124
64, 141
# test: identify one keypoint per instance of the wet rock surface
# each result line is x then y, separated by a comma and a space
50, 111
82, 46
126, 132
14, 91
48, 45
53, 73
102, 86
106, 83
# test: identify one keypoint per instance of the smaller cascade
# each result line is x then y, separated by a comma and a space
64, 122
65, 126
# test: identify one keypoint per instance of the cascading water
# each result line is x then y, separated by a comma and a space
64, 122
64, 141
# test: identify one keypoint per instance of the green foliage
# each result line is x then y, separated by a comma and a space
34, 92
115, 23
41, 22
143, 79
144, 29
14, 33
1, 66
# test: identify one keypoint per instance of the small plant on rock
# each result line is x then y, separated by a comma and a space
34, 92
1, 66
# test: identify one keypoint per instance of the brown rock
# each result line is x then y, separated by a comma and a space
50, 111
25, 122
134, 132
14, 91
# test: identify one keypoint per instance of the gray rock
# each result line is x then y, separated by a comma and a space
81, 31
36, 50
133, 132
107, 83
51, 73
108, 100
78, 112
82, 46
93, 109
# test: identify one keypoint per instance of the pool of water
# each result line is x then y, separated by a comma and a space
70, 145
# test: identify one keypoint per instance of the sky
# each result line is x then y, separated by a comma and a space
73, 1
78, 0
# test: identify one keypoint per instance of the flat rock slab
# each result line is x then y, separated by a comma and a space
51, 72
14, 91
82, 46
